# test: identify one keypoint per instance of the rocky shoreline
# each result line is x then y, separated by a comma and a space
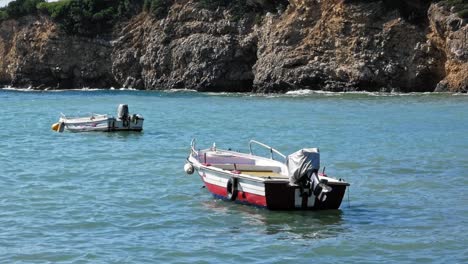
318, 45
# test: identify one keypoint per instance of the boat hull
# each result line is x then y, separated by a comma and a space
109, 124
271, 194
282, 196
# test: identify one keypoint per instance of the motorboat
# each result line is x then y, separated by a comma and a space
101, 122
291, 183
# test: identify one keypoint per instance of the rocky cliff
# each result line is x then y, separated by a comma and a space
35, 53
361, 45
191, 48
265, 46
448, 34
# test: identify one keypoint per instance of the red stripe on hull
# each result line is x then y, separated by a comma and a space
243, 197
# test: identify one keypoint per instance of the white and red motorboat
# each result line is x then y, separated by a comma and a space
294, 184
101, 122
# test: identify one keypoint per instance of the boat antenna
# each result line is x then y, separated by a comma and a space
323, 170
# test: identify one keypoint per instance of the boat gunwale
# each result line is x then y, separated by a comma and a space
240, 175
86, 119
275, 179
240, 154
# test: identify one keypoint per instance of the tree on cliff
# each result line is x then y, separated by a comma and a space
77, 17
87, 17
92, 17
19, 8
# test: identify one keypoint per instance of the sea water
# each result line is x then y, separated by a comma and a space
124, 197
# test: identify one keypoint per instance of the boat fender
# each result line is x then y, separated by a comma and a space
188, 168
55, 127
231, 188
58, 127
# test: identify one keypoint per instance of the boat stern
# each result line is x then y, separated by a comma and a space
283, 196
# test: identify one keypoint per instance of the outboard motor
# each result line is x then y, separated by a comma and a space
303, 166
122, 112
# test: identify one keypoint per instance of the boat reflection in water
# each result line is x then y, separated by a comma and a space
284, 225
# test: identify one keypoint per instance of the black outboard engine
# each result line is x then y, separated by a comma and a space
303, 166
122, 112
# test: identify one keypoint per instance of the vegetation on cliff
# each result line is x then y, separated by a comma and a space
158, 8
459, 6
87, 17
91, 17
76, 17
19, 8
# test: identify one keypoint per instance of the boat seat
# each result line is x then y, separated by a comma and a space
263, 174
226, 160
248, 167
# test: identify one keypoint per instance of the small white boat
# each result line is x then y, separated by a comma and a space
294, 184
99, 122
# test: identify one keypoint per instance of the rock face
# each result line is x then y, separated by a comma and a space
345, 45
333, 45
449, 34
192, 48
35, 53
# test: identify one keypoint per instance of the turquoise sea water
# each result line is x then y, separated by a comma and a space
124, 198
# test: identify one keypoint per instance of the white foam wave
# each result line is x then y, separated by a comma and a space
307, 92
9, 88
296, 93
85, 89
181, 91
302, 92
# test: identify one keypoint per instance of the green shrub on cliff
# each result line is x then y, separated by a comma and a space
212, 4
77, 17
158, 8
86, 17
459, 6
54, 9
19, 8
463, 13
3, 15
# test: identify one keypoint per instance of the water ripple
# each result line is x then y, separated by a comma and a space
124, 198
